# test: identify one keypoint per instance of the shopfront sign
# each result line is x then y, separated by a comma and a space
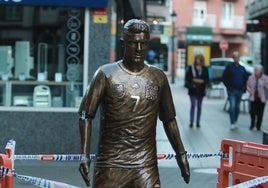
199, 35
157, 29
205, 38
73, 48
68, 3
100, 15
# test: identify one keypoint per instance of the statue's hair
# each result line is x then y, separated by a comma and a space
135, 26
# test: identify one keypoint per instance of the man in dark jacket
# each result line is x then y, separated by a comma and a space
235, 78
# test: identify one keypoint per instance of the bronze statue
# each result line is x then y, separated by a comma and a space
132, 95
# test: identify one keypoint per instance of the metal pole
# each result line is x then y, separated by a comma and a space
86, 49
172, 55
223, 53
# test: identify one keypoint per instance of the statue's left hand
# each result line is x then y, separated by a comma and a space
184, 166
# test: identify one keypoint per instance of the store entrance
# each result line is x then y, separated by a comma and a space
158, 54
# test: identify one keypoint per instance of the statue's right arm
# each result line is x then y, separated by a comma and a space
87, 111
85, 127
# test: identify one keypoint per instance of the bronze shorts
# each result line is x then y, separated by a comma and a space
146, 177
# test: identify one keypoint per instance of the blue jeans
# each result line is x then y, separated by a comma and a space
234, 100
195, 101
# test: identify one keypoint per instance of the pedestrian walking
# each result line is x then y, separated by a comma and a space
257, 86
235, 79
196, 81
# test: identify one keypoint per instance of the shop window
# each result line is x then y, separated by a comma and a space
181, 58
41, 56
158, 54
13, 13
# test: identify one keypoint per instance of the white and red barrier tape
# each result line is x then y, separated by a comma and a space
53, 157
251, 183
44, 183
40, 182
78, 157
10, 148
4, 171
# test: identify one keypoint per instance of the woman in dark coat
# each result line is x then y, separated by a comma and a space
197, 79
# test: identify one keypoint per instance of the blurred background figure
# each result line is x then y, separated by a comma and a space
257, 85
235, 79
151, 56
196, 79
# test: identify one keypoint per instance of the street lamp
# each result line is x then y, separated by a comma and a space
173, 20
155, 21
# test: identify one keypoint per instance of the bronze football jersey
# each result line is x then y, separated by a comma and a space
131, 103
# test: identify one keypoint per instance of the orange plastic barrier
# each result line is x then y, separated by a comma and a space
6, 181
242, 161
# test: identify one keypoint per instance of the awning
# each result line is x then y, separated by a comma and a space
65, 3
198, 34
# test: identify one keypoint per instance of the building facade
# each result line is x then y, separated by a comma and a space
160, 52
211, 22
49, 51
257, 26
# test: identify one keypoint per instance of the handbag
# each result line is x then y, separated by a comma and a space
191, 85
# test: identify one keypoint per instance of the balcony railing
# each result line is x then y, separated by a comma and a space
238, 22
210, 20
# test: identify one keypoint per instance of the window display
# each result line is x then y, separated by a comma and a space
41, 56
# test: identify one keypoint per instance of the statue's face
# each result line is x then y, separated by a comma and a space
135, 48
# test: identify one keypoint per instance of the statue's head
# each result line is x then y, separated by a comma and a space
135, 26
135, 41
